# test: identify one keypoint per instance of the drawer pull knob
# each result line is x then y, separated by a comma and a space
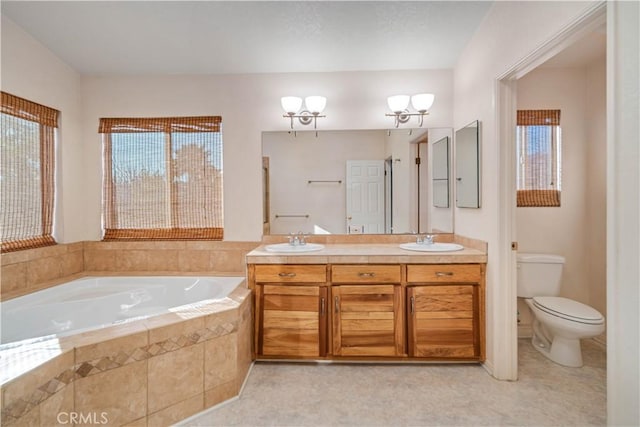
287, 274
367, 274
444, 273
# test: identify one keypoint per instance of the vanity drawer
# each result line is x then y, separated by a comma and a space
365, 273
444, 273
283, 273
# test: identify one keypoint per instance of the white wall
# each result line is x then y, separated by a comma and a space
32, 72
623, 213
576, 229
509, 32
249, 104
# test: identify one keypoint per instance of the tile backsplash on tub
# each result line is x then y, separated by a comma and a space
30, 270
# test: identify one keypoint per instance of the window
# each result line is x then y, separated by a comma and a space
27, 152
162, 178
539, 158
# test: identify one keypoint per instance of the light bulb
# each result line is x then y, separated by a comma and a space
398, 103
291, 104
315, 104
422, 102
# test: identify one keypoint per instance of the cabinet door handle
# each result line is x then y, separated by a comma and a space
367, 274
287, 274
336, 304
444, 273
413, 305
322, 306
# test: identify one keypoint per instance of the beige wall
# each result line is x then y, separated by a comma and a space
509, 33
575, 230
249, 105
31, 71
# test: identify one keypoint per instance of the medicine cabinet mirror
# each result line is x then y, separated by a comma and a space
467, 155
355, 181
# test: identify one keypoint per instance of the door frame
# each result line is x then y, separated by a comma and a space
506, 363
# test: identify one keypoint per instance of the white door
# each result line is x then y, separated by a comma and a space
365, 196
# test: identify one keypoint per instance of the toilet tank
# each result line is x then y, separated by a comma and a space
539, 274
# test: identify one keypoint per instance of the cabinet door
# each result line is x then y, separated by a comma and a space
292, 321
443, 321
366, 320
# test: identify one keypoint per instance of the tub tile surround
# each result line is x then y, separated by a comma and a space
158, 370
27, 271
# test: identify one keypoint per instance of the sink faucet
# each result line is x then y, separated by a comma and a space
294, 240
298, 239
424, 240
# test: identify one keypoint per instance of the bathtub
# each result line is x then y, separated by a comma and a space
126, 350
97, 302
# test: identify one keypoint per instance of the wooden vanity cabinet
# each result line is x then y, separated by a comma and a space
445, 311
367, 310
291, 310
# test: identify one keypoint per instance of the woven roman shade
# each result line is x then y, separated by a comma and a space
27, 151
162, 178
539, 165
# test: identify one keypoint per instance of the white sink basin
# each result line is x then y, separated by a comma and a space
287, 248
434, 247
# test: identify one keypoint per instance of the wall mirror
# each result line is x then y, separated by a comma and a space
353, 182
467, 155
440, 173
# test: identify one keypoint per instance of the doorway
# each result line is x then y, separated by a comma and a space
507, 100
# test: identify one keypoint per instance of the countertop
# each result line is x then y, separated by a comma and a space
367, 253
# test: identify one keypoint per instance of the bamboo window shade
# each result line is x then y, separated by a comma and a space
162, 178
27, 151
539, 158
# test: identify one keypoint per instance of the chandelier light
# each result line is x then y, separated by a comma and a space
399, 104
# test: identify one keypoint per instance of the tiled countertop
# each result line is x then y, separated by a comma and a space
368, 253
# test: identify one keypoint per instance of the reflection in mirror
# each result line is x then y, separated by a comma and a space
352, 182
440, 173
468, 166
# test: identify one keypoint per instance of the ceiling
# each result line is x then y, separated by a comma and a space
228, 37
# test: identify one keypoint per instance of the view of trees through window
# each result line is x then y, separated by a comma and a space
164, 181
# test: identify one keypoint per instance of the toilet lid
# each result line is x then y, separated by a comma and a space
569, 309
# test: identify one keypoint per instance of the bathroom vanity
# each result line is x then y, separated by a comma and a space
369, 301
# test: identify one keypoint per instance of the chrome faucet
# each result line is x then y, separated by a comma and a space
294, 240
298, 239
424, 239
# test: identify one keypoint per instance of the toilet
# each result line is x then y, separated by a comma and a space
558, 323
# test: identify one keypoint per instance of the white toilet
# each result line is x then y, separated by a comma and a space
558, 323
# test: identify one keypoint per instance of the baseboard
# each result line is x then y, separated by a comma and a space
525, 331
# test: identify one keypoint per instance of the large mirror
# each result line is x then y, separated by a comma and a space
353, 182
468, 166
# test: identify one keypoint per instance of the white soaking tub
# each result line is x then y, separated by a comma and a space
96, 302
131, 349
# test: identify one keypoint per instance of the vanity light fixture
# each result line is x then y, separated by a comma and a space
399, 103
314, 106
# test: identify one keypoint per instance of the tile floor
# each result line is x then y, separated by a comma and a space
309, 394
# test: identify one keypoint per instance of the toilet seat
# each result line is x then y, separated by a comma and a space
568, 309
